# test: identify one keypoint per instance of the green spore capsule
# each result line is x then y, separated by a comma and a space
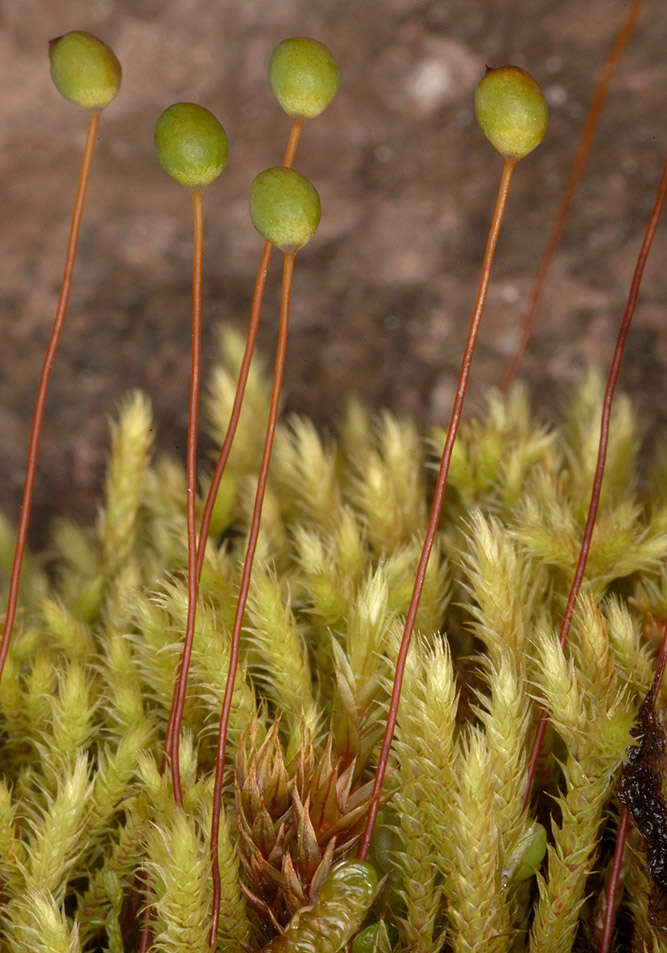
304, 76
191, 144
84, 69
511, 111
284, 208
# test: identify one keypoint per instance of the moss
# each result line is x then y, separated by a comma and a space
84, 703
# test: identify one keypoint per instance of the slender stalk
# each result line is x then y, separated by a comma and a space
251, 338
298, 122
40, 402
172, 740
288, 270
612, 380
461, 387
578, 166
610, 911
244, 370
178, 700
146, 918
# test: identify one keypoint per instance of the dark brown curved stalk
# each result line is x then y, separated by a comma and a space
279, 367
464, 373
178, 700
612, 380
172, 741
146, 918
40, 402
576, 172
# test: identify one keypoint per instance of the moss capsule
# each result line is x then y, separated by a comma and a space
191, 144
284, 208
511, 111
303, 75
84, 69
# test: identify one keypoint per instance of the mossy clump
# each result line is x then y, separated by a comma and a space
191, 144
84, 69
88, 820
511, 111
284, 208
303, 76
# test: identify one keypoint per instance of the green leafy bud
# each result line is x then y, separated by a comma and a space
532, 854
191, 144
511, 110
336, 915
84, 69
354, 878
366, 940
284, 208
304, 76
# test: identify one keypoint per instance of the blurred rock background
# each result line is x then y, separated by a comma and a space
384, 292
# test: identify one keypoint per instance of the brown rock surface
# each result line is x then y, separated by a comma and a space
384, 293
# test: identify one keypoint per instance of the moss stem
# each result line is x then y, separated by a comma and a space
436, 507
612, 380
288, 270
171, 746
251, 338
196, 552
40, 402
578, 166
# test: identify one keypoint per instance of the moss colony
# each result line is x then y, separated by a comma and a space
460, 792
88, 823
